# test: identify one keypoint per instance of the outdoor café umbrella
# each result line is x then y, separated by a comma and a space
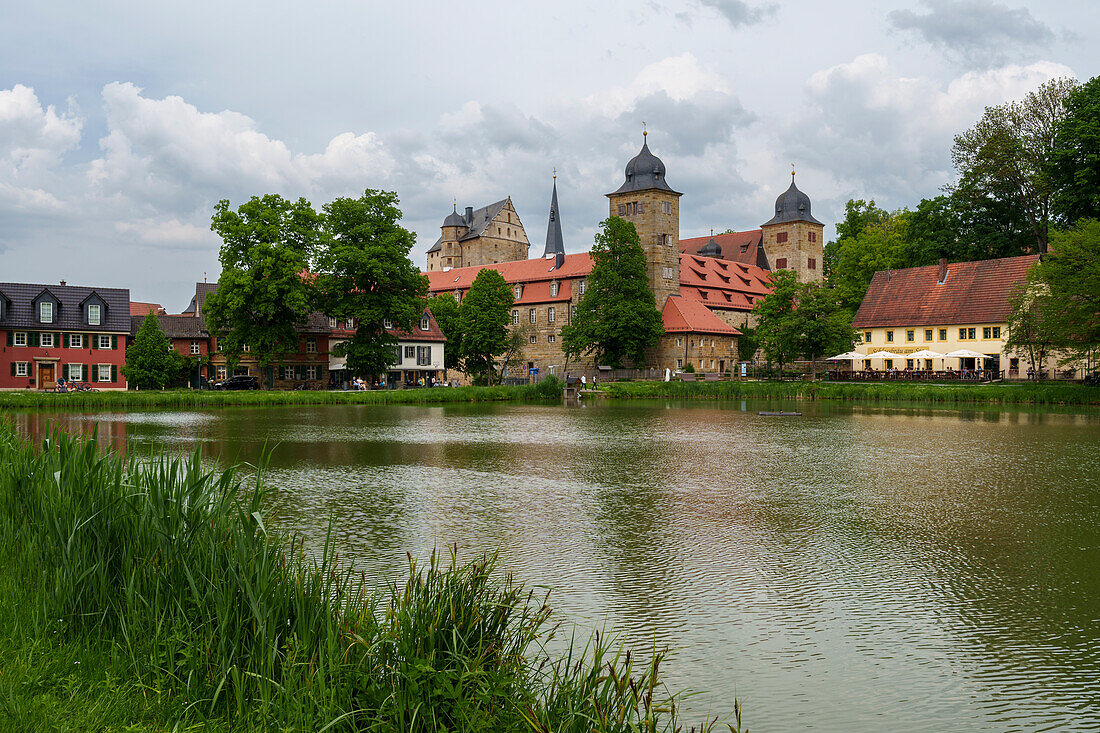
925, 354
964, 354
847, 356
884, 355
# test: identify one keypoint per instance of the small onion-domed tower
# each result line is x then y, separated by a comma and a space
647, 201
711, 248
793, 237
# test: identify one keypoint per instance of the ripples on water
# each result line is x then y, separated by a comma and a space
854, 569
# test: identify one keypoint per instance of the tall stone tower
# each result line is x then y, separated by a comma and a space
646, 200
793, 238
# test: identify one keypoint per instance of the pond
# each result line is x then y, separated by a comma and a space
851, 569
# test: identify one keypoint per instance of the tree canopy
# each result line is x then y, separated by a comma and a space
617, 319
1076, 155
363, 272
483, 319
445, 309
262, 295
151, 363
802, 320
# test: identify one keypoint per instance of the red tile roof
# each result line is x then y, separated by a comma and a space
722, 283
137, 308
973, 292
519, 271
434, 333
744, 247
682, 314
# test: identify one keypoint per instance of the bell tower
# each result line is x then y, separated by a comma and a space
792, 238
647, 201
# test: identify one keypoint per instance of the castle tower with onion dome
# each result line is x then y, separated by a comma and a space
792, 238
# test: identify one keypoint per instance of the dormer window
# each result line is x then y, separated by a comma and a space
554, 289
425, 323
45, 312
518, 291
387, 323
95, 315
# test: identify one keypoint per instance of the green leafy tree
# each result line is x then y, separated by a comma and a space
826, 327
747, 343
445, 309
964, 226
858, 216
1007, 156
617, 319
262, 295
483, 320
1032, 330
364, 272
1076, 155
880, 246
151, 362
777, 327
1070, 275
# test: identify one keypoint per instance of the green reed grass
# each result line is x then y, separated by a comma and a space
997, 394
166, 576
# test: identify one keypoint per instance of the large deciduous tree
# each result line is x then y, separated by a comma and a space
1077, 155
363, 272
777, 329
801, 320
151, 363
445, 309
262, 295
1007, 156
617, 319
880, 246
483, 319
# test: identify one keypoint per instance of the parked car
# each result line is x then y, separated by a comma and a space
238, 381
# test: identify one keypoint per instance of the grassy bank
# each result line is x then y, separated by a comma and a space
185, 398
995, 394
146, 595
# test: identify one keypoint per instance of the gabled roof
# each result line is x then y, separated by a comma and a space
434, 332
972, 292
201, 291
517, 271
683, 315
69, 316
721, 283
174, 327
477, 222
138, 308
744, 247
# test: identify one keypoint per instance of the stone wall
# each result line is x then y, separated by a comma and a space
803, 250
655, 215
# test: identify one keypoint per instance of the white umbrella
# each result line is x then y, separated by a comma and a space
926, 354
884, 355
847, 356
964, 354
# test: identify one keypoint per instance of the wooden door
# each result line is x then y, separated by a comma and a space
47, 377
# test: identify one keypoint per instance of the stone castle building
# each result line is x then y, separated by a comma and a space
705, 287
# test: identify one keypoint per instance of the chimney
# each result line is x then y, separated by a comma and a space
62, 283
469, 216
943, 271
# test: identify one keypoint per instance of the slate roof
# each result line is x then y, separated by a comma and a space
555, 245
201, 291
744, 247
478, 220
174, 327
68, 316
792, 205
644, 172
972, 292
684, 315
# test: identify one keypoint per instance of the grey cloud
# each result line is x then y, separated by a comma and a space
976, 33
704, 119
740, 13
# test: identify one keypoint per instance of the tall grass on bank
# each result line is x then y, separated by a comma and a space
1003, 394
548, 389
217, 617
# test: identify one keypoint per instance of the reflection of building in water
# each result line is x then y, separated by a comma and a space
37, 425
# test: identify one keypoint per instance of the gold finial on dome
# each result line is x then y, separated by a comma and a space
792, 171
644, 131
555, 173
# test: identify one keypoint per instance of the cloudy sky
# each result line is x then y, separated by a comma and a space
121, 123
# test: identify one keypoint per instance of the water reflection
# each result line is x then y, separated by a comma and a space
859, 568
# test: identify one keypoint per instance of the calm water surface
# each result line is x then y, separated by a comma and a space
854, 569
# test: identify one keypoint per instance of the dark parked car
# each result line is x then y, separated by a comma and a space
238, 382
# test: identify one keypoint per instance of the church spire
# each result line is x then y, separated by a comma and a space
555, 246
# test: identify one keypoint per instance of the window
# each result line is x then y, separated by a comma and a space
103, 373
928, 334
311, 346
971, 333
194, 348
987, 332
286, 372
458, 296
551, 338
76, 341
221, 346
425, 323
781, 238
573, 311
219, 372
245, 348
679, 342
45, 312
387, 323
532, 315
22, 368
679, 363
554, 289
350, 324
811, 263
910, 335
20, 338
962, 334
584, 286
533, 338
103, 342
667, 272
943, 334
889, 337
996, 332
889, 363
76, 372
410, 352
639, 207
518, 292
311, 372
622, 210
550, 314
331, 324
666, 207
93, 314
781, 263
45, 339
812, 236
867, 337
515, 317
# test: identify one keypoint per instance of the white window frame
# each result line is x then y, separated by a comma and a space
387, 323
584, 286
104, 342
533, 315
311, 346
518, 291
42, 340
332, 323
16, 338
76, 341
515, 317
24, 366
410, 352
311, 371
534, 338
246, 348
98, 318
220, 372
551, 338
550, 314
553, 290
425, 323
79, 372
679, 363
103, 372
350, 324
45, 311
195, 349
